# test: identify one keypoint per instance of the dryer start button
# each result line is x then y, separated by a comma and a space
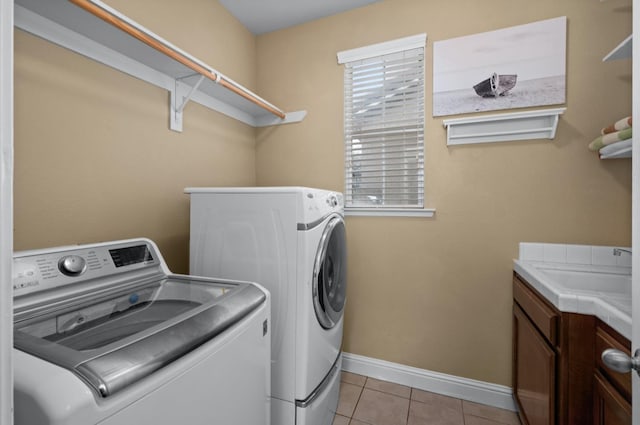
72, 265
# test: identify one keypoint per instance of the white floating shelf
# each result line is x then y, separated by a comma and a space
156, 61
622, 50
529, 125
617, 150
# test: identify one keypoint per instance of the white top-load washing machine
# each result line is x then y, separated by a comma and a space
105, 334
292, 241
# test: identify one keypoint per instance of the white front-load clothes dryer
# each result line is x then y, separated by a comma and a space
291, 240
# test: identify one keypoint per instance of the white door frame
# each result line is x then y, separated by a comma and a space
635, 219
6, 211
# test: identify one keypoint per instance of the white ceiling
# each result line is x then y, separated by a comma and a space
262, 16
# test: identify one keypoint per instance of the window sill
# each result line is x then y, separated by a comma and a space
389, 212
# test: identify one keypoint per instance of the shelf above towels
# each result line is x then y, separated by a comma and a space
621, 51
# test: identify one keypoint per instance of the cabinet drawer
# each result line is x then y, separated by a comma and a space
542, 315
604, 340
609, 407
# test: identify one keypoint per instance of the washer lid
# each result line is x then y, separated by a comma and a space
117, 340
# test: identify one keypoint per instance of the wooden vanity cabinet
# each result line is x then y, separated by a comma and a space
612, 390
553, 360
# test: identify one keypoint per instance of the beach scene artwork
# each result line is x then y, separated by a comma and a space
509, 68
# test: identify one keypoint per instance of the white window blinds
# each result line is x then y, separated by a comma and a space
384, 130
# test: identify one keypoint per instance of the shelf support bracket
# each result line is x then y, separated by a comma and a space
179, 100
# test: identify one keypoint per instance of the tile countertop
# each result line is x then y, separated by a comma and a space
540, 264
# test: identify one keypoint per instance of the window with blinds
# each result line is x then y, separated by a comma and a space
384, 126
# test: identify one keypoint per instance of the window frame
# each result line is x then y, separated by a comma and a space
368, 52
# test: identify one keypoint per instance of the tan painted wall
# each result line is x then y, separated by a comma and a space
95, 161
94, 157
436, 293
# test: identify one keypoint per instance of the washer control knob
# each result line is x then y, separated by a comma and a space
332, 201
72, 265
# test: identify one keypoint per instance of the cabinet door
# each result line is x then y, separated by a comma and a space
609, 408
534, 372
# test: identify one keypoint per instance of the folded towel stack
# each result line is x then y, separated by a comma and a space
615, 133
622, 124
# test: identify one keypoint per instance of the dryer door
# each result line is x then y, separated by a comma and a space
330, 274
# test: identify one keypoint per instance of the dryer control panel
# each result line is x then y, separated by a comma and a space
318, 204
42, 270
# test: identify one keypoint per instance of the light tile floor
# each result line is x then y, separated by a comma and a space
368, 401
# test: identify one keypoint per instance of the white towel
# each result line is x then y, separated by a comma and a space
615, 147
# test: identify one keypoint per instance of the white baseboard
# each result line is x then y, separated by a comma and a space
466, 389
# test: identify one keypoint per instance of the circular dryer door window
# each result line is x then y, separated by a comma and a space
330, 274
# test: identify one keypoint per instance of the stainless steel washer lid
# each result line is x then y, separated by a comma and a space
118, 340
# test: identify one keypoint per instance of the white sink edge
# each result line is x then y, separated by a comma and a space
565, 300
585, 268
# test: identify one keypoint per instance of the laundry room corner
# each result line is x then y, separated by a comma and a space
108, 165
417, 285
319, 212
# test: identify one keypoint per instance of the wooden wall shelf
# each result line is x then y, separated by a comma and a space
95, 30
539, 124
621, 51
624, 50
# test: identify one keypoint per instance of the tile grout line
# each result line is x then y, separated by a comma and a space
359, 395
358, 401
387, 393
464, 417
409, 409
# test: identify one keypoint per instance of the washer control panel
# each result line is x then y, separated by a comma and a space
41, 270
324, 201
332, 200
72, 265
317, 205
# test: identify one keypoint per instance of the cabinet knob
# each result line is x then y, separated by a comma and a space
621, 362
